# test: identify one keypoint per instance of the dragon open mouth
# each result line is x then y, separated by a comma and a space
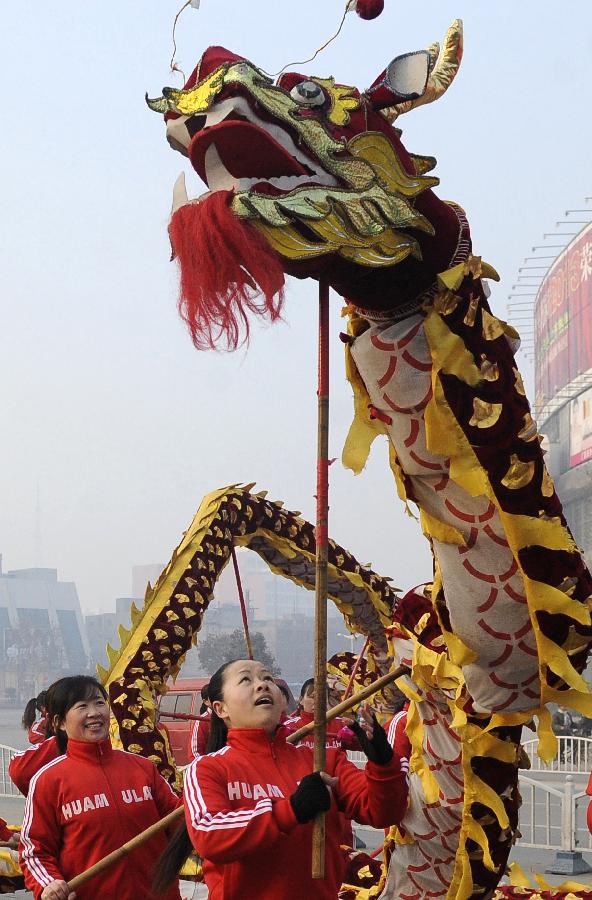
232, 148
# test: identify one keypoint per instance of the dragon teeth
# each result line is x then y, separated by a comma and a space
180, 197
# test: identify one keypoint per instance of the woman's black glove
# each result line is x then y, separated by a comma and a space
378, 750
310, 797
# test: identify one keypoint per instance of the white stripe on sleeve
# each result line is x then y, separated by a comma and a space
35, 866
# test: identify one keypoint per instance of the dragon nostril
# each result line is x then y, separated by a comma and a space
195, 124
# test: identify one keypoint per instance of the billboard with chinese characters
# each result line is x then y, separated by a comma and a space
580, 428
563, 319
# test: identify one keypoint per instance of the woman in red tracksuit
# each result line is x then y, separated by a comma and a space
249, 806
339, 733
88, 802
34, 726
27, 763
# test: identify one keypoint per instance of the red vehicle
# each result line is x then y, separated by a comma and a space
184, 698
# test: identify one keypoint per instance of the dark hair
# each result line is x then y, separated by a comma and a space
398, 700
173, 857
29, 713
218, 729
205, 695
35, 705
304, 689
179, 848
63, 694
284, 691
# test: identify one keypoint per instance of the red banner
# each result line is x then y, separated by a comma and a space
563, 320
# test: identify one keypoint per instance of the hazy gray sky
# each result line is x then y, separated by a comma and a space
105, 402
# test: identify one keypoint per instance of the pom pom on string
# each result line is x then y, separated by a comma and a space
228, 270
367, 9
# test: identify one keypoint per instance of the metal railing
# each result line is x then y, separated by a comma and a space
553, 817
7, 788
574, 756
358, 758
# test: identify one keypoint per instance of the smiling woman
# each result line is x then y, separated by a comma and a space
88, 802
250, 803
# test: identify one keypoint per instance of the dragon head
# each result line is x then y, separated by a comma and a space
316, 172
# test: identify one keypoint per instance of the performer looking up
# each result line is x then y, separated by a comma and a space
249, 805
339, 733
88, 802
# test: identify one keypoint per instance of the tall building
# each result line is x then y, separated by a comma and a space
101, 629
42, 631
563, 379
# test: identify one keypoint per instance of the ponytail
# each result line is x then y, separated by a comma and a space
218, 734
180, 847
170, 861
30, 713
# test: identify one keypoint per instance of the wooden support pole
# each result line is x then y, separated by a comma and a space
176, 814
243, 605
322, 546
354, 672
189, 717
107, 861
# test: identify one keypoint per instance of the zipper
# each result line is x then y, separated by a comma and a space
111, 792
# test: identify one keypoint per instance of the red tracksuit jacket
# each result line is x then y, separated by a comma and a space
85, 804
200, 733
27, 763
5, 833
396, 734
241, 822
37, 731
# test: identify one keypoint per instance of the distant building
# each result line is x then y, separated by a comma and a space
563, 380
42, 630
101, 629
291, 641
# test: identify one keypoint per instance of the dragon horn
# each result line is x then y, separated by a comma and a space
434, 53
159, 105
444, 66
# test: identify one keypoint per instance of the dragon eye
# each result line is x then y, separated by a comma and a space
308, 93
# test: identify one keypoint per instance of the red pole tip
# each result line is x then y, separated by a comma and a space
369, 9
